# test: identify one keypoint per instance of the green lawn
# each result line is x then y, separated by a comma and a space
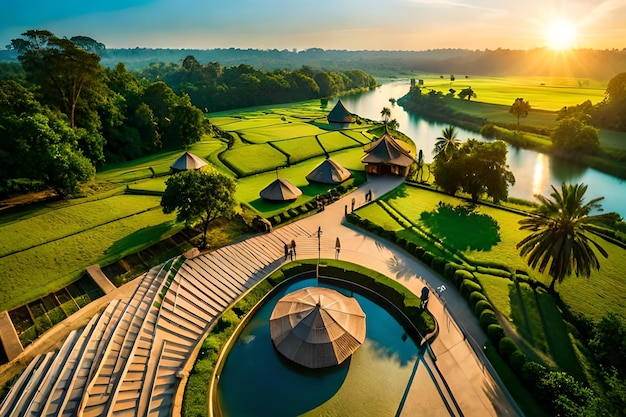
50, 266
299, 149
546, 93
337, 140
593, 297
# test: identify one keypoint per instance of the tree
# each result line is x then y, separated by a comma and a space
477, 168
65, 73
447, 143
199, 194
559, 242
467, 93
520, 108
572, 135
385, 113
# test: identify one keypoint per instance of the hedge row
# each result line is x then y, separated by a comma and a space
556, 391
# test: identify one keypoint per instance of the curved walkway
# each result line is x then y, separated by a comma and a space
129, 359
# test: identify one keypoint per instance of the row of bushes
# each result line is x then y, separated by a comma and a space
52, 317
311, 205
196, 390
556, 391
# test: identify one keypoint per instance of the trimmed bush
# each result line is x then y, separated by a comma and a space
517, 359
427, 257
419, 252
449, 269
532, 372
468, 286
56, 315
506, 347
495, 332
476, 296
494, 271
293, 212
284, 216
482, 305
461, 275
486, 318
410, 247
438, 264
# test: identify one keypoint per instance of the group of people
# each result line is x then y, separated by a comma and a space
290, 250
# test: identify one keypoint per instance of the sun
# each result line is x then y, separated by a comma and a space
561, 35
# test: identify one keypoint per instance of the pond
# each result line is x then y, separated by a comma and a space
387, 374
534, 172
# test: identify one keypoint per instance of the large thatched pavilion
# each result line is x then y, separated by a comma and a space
317, 327
386, 156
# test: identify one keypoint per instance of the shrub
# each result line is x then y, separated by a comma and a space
293, 212
419, 252
476, 296
284, 216
517, 359
410, 247
506, 347
467, 286
486, 318
56, 315
495, 332
27, 336
449, 269
494, 271
532, 372
275, 220
438, 264
480, 306
42, 323
427, 258
462, 275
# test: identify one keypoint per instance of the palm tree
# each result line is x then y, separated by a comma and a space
559, 242
386, 114
447, 143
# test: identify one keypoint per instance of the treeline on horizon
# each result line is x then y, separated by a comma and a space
62, 113
594, 64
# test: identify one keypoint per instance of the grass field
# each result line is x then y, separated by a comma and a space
593, 297
546, 93
70, 247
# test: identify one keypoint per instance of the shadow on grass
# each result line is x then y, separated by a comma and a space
539, 321
462, 228
138, 240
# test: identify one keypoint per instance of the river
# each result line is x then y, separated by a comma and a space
534, 172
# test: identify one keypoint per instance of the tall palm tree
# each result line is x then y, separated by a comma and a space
558, 241
447, 143
385, 114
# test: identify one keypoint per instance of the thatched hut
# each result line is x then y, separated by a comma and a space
339, 115
280, 190
329, 172
186, 162
317, 327
386, 156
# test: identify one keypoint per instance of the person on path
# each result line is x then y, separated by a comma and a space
293, 247
286, 251
337, 248
353, 202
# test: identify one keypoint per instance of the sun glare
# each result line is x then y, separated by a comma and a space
561, 35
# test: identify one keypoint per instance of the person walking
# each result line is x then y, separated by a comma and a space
293, 247
286, 251
337, 248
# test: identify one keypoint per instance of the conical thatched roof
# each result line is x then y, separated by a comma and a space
187, 161
387, 151
329, 172
317, 327
339, 114
280, 190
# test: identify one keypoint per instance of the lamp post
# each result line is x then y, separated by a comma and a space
319, 238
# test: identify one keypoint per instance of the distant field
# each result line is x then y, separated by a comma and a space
545, 93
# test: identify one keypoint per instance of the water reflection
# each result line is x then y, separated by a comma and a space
534, 172
540, 174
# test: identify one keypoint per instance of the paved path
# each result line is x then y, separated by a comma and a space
458, 347
128, 359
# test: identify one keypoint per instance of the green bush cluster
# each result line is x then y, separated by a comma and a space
292, 213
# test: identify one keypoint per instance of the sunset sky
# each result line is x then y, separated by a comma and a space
328, 24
